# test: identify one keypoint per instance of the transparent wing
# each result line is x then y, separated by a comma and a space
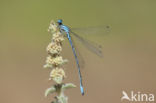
91, 46
103, 29
79, 56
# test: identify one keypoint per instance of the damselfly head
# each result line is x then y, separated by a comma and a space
59, 21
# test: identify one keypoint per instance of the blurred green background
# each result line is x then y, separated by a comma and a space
129, 61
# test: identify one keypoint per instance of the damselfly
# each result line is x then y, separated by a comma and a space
93, 47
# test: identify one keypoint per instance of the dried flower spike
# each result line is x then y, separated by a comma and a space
55, 61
